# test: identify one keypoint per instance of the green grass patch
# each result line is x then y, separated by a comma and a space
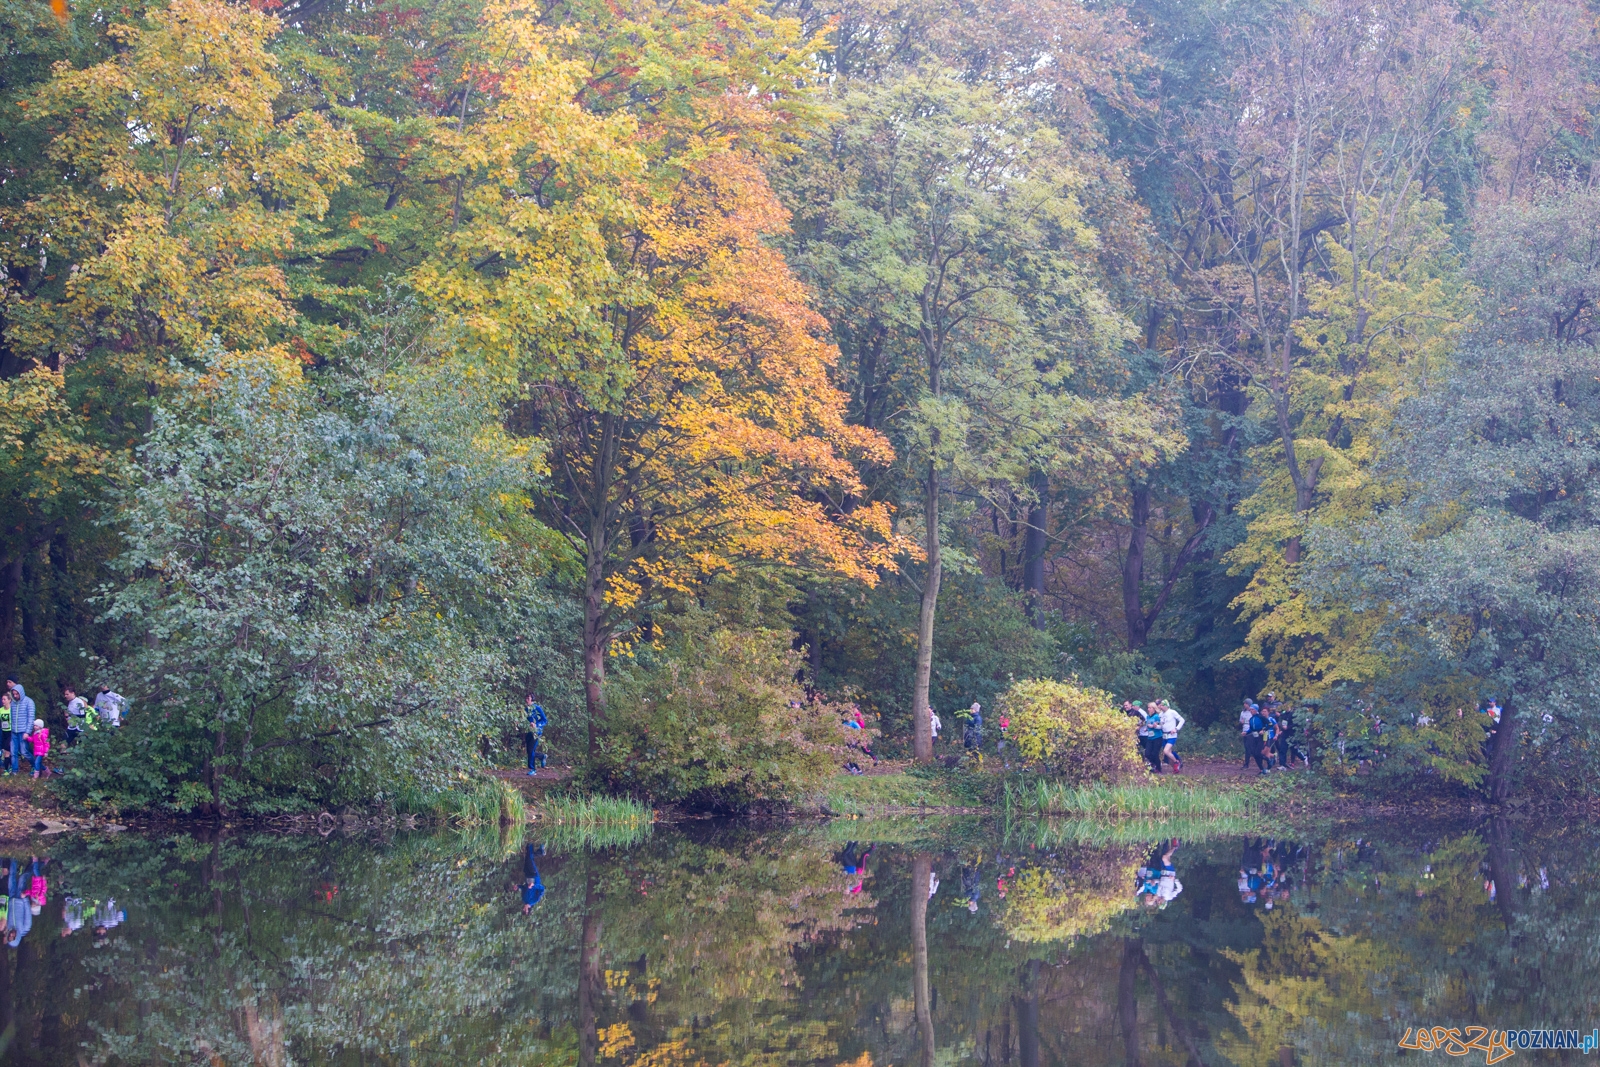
593, 821
1192, 797
486, 802
866, 794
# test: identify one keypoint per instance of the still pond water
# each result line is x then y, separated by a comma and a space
859, 943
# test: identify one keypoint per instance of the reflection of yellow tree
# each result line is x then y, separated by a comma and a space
1082, 898
1305, 974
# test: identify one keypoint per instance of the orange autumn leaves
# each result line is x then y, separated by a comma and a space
737, 381
616, 267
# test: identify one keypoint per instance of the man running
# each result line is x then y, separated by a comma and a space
1255, 732
1171, 723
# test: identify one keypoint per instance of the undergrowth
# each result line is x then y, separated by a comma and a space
593, 821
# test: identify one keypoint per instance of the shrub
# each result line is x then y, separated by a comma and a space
712, 724
1071, 731
1080, 897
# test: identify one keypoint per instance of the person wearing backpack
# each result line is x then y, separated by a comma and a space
1256, 731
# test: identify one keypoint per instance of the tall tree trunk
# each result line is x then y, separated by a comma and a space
1033, 548
10, 585
594, 657
1027, 1008
1128, 1001
922, 729
921, 874
1505, 746
1139, 620
589, 976
596, 635
1133, 568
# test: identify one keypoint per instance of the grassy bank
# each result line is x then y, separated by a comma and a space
917, 789
1192, 798
592, 821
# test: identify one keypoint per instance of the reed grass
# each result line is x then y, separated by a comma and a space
1100, 800
593, 821
487, 802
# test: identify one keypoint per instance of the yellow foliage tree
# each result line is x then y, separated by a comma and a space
616, 264
181, 193
1377, 330
1076, 900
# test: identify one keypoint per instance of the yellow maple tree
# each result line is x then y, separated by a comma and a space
614, 264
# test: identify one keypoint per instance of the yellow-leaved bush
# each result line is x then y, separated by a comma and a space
1080, 898
1071, 731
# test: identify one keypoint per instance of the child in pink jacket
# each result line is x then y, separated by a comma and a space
40, 740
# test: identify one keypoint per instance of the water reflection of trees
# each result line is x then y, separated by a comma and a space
751, 948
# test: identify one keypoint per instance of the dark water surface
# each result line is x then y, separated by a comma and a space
956, 943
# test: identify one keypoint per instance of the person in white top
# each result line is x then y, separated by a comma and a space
1171, 723
933, 721
109, 705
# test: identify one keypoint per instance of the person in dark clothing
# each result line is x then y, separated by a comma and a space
1285, 736
972, 887
1255, 746
972, 736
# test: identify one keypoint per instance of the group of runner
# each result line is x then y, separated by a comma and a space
1156, 727
1268, 730
1264, 871
24, 735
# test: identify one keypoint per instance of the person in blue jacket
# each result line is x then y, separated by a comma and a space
533, 738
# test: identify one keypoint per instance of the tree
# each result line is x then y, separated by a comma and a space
1487, 566
307, 569
618, 266
180, 193
945, 232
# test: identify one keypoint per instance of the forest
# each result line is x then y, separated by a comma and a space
704, 368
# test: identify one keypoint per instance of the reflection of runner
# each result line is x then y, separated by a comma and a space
854, 862
107, 916
71, 915
532, 884
971, 887
1158, 883
19, 913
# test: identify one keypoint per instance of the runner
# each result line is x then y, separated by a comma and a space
77, 710
110, 705
1143, 736
1171, 723
1285, 738
1254, 740
1244, 730
1153, 739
